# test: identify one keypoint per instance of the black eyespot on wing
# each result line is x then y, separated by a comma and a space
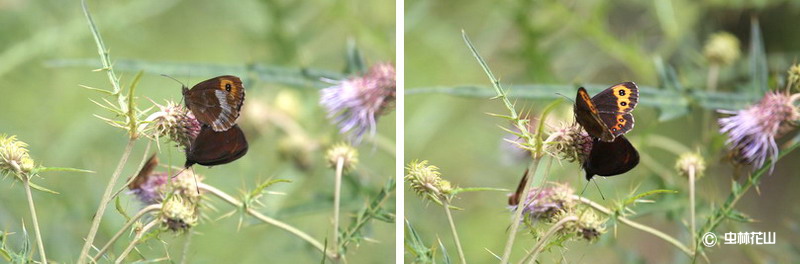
623, 103
228, 87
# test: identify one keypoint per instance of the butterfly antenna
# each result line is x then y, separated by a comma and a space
598, 189
179, 173
183, 85
584, 187
570, 99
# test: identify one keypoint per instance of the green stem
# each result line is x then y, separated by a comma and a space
302, 235
512, 233
693, 235
446, 205
136, 239
140, 214
636, 225
337, 188
540, 245
185, 253
104, 201
34, 218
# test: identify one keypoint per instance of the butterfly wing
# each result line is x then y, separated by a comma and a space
215, 148
514, 199
587, 115
614, 106
144, 173
611, 158
217, 101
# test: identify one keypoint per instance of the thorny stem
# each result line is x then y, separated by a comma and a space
136, 239
693, 235
512, 233
302, 235
446, 205
101, 209
542, 241
27, 185
140, 214
636, 225
337, 188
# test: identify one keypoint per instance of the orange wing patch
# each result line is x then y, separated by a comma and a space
620, 123
585, 97
227, 85
623, 95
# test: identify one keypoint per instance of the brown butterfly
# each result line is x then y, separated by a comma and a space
216, 102
607, 114
606, 117
214, 148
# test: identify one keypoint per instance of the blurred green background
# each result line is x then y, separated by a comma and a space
590, 42
44, 106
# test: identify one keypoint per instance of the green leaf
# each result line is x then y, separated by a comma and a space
477, 189
634, 198
48, 169
738, 216
120, 208
269, 182
40, 188
445, 256
758, 62
416, 247
355, 63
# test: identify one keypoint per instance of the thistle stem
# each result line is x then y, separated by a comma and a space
512, 233
140, 214
135, 240
446, 205
300, 234
101, 209
636, 225
337, 188
540, 245
693, 235
34, 218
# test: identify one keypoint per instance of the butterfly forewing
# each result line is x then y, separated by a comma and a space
619, 98
587, 115
217, 101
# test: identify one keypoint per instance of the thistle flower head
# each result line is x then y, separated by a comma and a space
722, 49
545, 202
176, 122
589, 226
752, 131
569, 142
426, 180
150, 186
691, 161
178, 213
344, 152
14, 158
794, 76
355, 104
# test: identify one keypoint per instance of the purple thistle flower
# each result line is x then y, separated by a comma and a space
752, 131
355, 104
544, 203
175, 122
148, 185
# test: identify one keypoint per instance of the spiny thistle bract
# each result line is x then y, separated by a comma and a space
690, 161
426, 181
179, 213
545, 202
14, 157
174, 122
722, 49
346, 153
569, 142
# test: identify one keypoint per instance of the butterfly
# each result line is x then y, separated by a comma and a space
606, 117
211, 148
216, 102
607, 114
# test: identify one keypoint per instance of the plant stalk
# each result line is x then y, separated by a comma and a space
101, 209
550, 232
512, 233
693, 235
34, 218
300, 234
136, 239
446, 205
140, 214
337, 189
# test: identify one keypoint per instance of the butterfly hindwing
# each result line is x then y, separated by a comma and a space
611, 158
619, 98
215, 148
618, 123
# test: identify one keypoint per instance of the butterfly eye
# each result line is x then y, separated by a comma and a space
228, 87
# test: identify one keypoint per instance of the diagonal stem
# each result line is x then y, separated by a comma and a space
35, 219
446, 205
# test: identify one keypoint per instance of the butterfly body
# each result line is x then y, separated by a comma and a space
606, 117
216, 102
